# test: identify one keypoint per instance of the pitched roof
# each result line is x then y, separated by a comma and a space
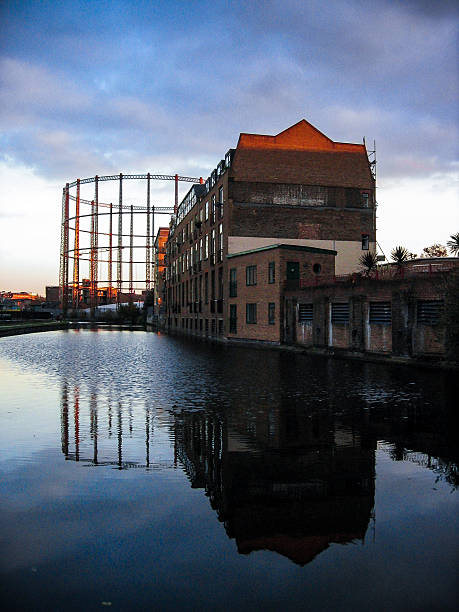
301, 136
301, 154
288, 247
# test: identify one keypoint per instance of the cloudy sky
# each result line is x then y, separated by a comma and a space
106, 87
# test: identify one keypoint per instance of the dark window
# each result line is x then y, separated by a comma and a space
220, 327
316, 268
293, 270
233, 319
340, 313
353, 199
365, 199
305, 313
251, 313
207, 327
206, 288
429, 311
365, 242
214, 327
233, 283
271, 313
271, 272
251, 275
380, 312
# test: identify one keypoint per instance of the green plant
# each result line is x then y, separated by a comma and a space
453, 244
400, 254
369, 261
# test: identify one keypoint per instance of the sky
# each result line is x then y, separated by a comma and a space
104, 87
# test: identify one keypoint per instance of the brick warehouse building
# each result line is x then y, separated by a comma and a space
297, 189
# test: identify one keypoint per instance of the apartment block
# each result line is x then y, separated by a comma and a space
297, 189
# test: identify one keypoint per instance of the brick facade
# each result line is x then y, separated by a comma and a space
400, 317
298, 188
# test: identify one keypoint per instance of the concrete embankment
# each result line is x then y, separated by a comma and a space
31, 327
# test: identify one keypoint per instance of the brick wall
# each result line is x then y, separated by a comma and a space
403, 335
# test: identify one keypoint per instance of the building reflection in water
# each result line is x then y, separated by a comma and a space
282, 474
287, 485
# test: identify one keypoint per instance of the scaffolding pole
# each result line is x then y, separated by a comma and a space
76, 252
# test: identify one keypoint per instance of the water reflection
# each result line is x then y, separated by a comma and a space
282, 474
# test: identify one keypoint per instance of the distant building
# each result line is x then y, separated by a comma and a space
160, 271
52, 293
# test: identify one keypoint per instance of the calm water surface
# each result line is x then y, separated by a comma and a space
144, 472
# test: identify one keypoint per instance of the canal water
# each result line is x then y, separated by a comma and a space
146, 472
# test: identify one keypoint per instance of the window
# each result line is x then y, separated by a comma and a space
271, 313
206, 216
251, 313
220, 201
380, 312
271, 272
316, 268
429, 311
212, 247
251, 275
206, 288
233, 283
206, 246
233, 319
220, 242
365, 199
340, 313
305, 313
212, 210
365, 242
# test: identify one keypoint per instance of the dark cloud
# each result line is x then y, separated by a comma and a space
119, 85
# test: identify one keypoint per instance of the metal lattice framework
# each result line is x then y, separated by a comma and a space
91, 225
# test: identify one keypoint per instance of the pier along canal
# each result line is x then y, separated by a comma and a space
145, 472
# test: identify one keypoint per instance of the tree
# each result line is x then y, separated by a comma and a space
453, 244
369, 261
400, 254
436, 250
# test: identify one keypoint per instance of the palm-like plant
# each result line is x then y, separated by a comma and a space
399, 255
369, 261
453, 244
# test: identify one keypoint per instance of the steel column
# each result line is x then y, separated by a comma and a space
64, 262
76, 252
91, 261
96, 241
110, 253
147, 245
119, 271
176, 194
131, 252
